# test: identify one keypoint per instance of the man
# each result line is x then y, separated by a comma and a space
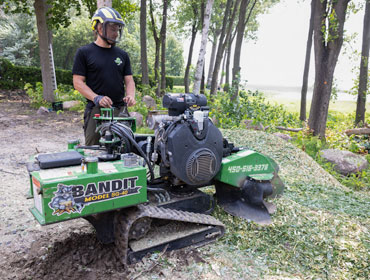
102, 72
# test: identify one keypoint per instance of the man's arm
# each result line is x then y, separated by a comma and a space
80, 85
130, 90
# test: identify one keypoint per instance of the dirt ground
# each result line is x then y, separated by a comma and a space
67, 250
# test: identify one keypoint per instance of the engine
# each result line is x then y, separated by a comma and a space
188, 146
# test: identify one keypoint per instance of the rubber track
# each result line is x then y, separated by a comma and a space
127, 217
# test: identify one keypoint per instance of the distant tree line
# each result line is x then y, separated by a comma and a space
152, 38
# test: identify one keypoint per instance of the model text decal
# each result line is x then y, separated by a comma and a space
72, 199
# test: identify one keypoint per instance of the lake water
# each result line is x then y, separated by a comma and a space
294, 93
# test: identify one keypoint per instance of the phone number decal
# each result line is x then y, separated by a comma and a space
247, 168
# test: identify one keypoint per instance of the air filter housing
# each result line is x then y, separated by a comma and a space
192, 160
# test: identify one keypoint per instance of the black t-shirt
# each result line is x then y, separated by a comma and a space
104, 70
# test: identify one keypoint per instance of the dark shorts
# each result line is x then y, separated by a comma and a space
91, 136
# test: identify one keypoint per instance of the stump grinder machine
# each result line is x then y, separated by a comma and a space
142, 192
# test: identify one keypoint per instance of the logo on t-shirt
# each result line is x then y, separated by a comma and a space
118, 61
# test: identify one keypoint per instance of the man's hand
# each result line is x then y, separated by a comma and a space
130, 91
103, 101
130, 100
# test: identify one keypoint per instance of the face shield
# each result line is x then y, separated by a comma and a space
112, 32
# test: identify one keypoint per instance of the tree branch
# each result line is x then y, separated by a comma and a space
358, 131
289, 129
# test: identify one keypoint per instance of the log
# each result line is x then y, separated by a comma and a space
289, 129
358, 131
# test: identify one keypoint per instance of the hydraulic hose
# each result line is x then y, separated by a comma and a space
122, 130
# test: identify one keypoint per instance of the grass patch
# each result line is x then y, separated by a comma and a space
292, 103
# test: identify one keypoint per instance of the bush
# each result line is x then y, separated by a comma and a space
35, 95
248, 105
63, 93
16, 76
152, 82
177, 80
68, 93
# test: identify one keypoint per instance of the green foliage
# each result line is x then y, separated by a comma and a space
329, 26
15, 7
252, 105
18, 39
188, 14
63, 93
35, 95
67, 40
337, 139
16, 77
126, 8
130, 42
356, 82
153, 83
140, 106
59, 12
174, 51
18, 35
68, 93
248, 105
310, 144
177, 80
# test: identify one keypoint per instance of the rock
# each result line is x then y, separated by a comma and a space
139, 118
42, 111
286, 137
345, 162
154, 118
70, 104
150, 102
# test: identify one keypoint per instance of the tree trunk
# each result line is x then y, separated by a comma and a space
303, 113
326, 56
194, 30
213, 56
143, 46
45, 46
223, 67
156, 67
188, 64
67, 59
238, 46
363, 79
220, 49
163, 48
227, 67
202, 52
104, 3
203, 83
157, 48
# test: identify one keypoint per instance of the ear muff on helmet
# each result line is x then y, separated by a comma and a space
105, 16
